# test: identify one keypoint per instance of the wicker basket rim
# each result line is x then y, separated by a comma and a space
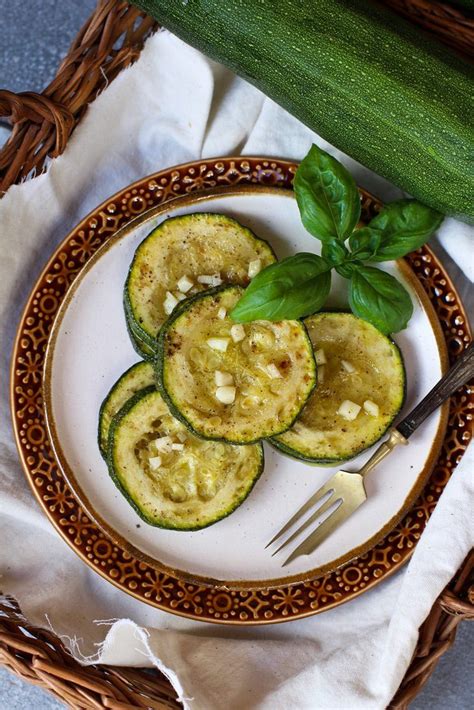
110, 40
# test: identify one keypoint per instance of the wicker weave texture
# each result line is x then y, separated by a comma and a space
438, 632
39, 657
450, 25
42, 123
112, 39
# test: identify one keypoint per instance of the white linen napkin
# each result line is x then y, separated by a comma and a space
174, 105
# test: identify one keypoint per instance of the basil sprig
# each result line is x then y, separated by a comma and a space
329, 205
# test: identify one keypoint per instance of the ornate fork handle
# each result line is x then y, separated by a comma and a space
460, 373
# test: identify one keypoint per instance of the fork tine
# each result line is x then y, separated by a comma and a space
320, 511
321, 532
320, 493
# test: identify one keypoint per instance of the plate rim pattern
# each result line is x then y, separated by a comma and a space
127, 571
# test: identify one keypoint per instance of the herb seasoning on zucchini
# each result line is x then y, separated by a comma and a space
228, 381
170, 477
360, 390
183, 256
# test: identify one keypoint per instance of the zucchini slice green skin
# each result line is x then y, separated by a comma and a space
145, 351
133, 380
264, 405
190, 245
321, 435
177, 497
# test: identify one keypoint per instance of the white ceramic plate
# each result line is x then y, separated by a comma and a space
89, 349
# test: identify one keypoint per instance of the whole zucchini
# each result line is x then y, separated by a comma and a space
365, 79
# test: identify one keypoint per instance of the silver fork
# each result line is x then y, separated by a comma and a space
346, 489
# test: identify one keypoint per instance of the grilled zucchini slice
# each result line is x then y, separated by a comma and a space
134, 379
141, 348
239, 383
193, 247
357, 365
170, 477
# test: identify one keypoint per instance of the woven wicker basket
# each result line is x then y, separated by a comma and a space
42, 123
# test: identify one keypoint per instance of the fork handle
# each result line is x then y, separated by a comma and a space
460, 373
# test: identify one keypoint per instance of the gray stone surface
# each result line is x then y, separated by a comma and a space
15, 694
34, 36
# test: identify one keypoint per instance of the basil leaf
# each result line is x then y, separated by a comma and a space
347, 268
379, 298
292, 288
364, 243
334, 252
327, 196
403, 226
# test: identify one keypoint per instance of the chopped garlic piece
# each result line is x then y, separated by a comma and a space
321, 371
226, 395
179, 296
273, 371
177, 447
155, 462
223, 378
255, 267
237, 332
320, 357
184, 284
371, 408
349, 410
218, 344
210, 279
163, 443
182, 436
169, 303
221, 313
348, 366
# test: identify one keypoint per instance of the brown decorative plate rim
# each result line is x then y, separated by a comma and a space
127, 571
